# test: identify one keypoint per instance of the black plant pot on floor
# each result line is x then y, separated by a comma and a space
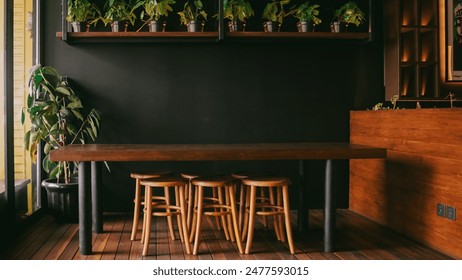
63, 200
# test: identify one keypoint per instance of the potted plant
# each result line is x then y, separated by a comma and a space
237, 11
120, 11
57, 119
347, 14
190, 16
274, 15
307, 15
154, 10
82, 12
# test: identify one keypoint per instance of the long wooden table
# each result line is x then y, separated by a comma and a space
90, 157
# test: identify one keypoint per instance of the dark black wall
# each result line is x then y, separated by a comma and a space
224, 92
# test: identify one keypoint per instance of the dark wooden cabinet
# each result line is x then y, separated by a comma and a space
411, 49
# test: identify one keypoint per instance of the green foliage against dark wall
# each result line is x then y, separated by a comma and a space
254, 23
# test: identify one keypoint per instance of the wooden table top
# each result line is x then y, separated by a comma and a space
196, 152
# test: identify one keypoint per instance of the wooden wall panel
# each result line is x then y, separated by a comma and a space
423, 168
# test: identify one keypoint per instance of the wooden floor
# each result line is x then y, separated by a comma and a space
356, 238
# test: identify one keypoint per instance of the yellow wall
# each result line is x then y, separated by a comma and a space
22, 63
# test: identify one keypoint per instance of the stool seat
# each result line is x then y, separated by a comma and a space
166, 210
266, 181
149, 174
212, 181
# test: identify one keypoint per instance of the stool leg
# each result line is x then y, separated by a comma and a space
148, 215
217, 219
246, 214
253, 194
276, 222
229, 218
200, 210
169, 218
232, 192
136, 210
241, 206
192, 231
280, 203
285, 197
263, 198
222, 217
190, 205
178, 217
183, 215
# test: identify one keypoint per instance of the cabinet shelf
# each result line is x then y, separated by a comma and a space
205, 36
137, 36
416, 73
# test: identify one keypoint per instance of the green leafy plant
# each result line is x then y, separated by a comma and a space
307, 12
350, 13
155, 9
120, 10
189, 13
82, 11
57, 119
274, 11
237, 10
380, 106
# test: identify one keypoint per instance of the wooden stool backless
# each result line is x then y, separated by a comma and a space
139, 198
225, 208
240, 175
166, 210
278, 207
189, 196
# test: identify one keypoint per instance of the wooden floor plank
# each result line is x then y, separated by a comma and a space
357, 238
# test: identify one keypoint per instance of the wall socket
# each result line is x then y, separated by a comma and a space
441, 210
446, 211
451, 213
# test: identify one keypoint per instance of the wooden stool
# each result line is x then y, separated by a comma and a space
189, 193
225, 206
277, 207
166, 210
139, 199
240, 175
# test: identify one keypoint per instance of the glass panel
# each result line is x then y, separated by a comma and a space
23, 52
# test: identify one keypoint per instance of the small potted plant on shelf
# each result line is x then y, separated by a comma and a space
120, 11
154, 10
190, 16
82, 12
307, 15
57, 119
274, 15
347, 14
237, 11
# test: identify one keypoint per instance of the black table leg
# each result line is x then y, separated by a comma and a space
302, 214
97, 211
85, 208
329, 209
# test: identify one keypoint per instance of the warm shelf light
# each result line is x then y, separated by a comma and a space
405, 87
423, 84
424, 56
